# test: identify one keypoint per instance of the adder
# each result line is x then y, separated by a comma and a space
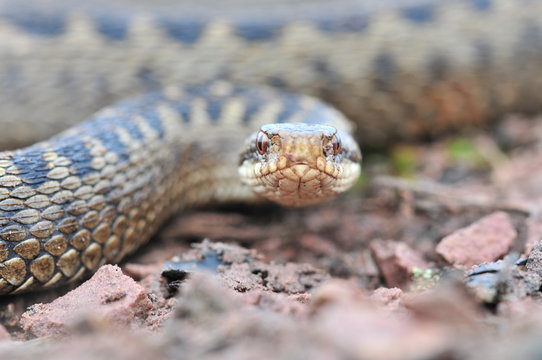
197, 102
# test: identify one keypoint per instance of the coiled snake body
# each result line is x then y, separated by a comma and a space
100, 189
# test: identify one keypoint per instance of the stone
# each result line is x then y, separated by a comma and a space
486, 240
108, 295
396, 261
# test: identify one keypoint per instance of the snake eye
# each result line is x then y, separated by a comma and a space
334, 146
262, 142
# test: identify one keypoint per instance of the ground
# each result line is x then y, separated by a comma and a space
434, 254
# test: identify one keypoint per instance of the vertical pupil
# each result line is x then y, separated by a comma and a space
261, 143
336, 145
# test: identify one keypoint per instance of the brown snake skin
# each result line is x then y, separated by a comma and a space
99, 190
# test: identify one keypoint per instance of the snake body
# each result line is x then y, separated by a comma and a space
95, 192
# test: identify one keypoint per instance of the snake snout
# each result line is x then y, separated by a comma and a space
297, 159
302, 150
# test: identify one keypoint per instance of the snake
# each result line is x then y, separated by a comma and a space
115, 115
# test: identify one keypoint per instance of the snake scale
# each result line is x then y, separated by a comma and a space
95, 192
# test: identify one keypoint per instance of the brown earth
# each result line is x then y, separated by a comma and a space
434, 255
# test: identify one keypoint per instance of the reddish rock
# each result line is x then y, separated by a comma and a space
109, 295
388, 297
4, 334
396, 260
450, 303
347, 318
280, 303
486, 240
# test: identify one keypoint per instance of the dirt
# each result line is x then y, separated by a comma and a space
435, 254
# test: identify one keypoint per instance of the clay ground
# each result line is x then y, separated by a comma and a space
429, 257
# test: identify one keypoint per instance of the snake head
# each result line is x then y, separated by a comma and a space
298, 164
